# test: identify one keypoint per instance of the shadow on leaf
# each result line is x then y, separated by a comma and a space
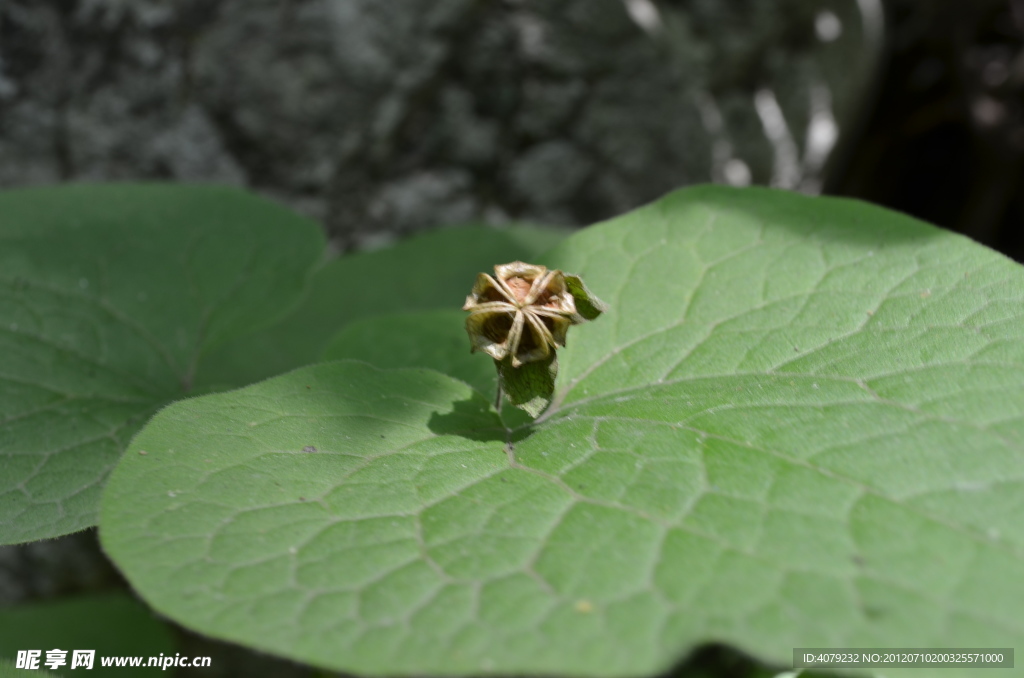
472, 418
717, 660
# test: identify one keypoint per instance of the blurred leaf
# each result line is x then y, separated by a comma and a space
108, 295
801, 423
112, 624
8, 670
433, 270
434, 339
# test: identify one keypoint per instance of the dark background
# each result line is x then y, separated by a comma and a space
381, 118
944, 139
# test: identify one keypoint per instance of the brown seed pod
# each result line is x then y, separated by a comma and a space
521, 315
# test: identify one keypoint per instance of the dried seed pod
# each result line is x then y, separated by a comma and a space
519, 317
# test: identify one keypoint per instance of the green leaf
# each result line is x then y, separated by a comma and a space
529, 386
588, 306
434, 339
108, 296
111, 624
800, 423
8, 669
427, 271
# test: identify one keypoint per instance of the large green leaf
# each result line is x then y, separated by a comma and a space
801, 423
108, 297
434, 339
427, 271
111, 624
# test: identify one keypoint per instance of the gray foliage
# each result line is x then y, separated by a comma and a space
392, 116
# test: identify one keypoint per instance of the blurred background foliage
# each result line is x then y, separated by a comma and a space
383, 118
943, 137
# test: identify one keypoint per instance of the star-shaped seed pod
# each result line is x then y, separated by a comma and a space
519, 317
